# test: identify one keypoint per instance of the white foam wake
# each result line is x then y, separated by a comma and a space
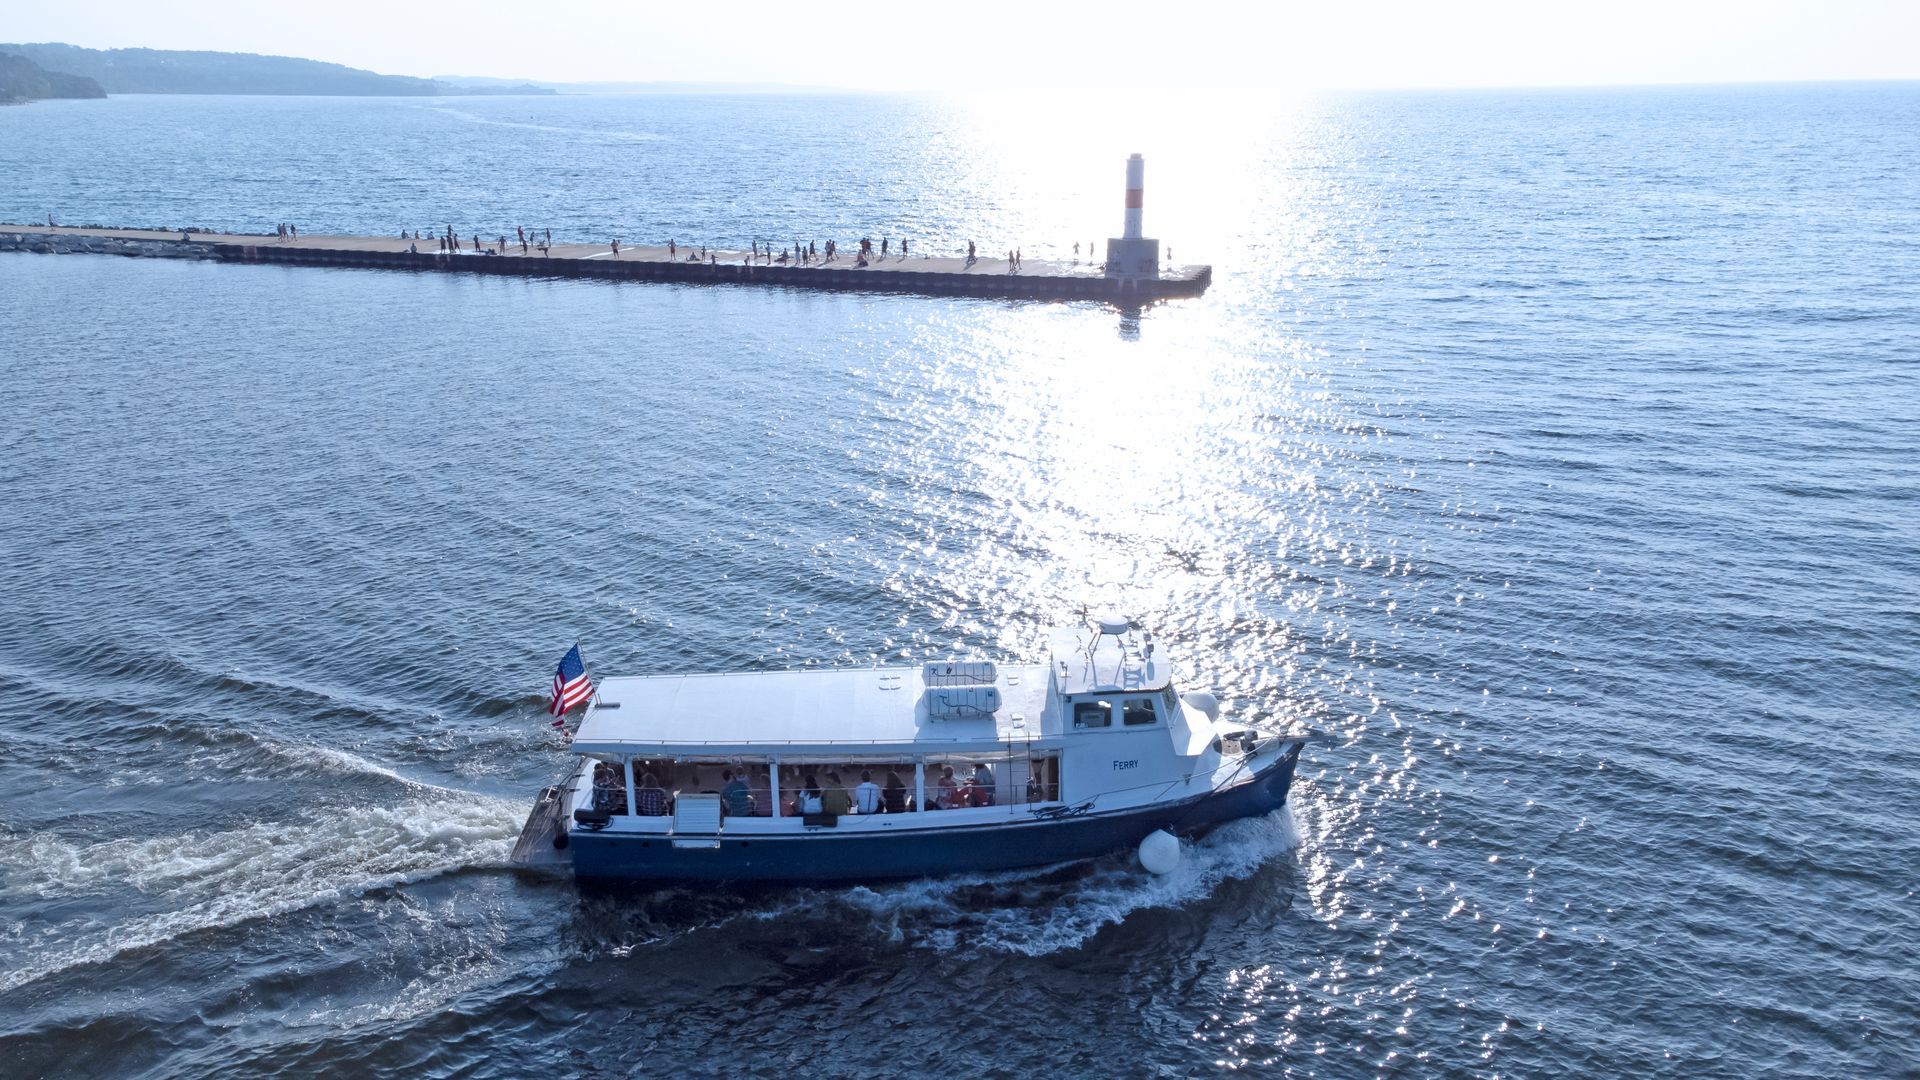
577, 132
197, 881
1021, 912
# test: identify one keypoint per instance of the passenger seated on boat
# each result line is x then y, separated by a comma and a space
981, 786
866, 797
948, 792
734, 794
651, 799
894, 797
808, 800
835, 800
609, 789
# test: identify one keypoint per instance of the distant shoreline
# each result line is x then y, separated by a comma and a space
175, 71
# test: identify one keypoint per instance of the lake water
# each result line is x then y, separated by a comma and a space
1556, 454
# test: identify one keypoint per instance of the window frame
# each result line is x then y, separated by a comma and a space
1129, 704
1105, 705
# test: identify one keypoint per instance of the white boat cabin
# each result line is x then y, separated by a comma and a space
884, 748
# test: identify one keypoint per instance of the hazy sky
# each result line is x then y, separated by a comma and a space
992, 45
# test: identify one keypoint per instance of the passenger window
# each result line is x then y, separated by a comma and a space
1137, 712
1092, 714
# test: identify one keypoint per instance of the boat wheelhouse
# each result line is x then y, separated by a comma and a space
852, 774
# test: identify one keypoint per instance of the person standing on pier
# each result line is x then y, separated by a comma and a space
294, 231
969, 251
673, 249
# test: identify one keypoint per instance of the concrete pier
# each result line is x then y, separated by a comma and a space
984, 277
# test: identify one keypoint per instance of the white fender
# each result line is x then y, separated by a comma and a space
1160, 852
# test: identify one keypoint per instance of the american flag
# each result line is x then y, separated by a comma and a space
570, 686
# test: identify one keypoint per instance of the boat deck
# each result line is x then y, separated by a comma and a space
535, 847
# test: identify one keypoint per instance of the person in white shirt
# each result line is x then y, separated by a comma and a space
866, 797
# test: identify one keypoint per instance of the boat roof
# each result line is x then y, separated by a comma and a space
1088, 661
850, 710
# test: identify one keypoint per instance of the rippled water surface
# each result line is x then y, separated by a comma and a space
1553, 453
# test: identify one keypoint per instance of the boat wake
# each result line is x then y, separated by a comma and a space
1055, 910
204, 880
575, 132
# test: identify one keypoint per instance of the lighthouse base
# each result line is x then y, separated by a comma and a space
1133, 257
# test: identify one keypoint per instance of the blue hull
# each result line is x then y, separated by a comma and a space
821, 855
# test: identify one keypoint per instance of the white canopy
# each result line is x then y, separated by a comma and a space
853, 710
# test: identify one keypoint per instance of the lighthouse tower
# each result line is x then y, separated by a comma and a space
1131, 254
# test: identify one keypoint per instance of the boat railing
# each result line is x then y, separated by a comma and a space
739, 747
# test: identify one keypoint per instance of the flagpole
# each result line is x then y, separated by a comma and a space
588, 668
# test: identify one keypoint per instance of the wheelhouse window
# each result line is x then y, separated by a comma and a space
1137, 712
1092, 714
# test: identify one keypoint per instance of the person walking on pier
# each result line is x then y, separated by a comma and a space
969, 251
884, 241
673, 249
616, 248
294, 231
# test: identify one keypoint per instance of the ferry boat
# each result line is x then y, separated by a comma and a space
863, 774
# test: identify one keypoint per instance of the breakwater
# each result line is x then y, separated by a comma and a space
1035, 280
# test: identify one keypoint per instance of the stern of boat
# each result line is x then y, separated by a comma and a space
543, 840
